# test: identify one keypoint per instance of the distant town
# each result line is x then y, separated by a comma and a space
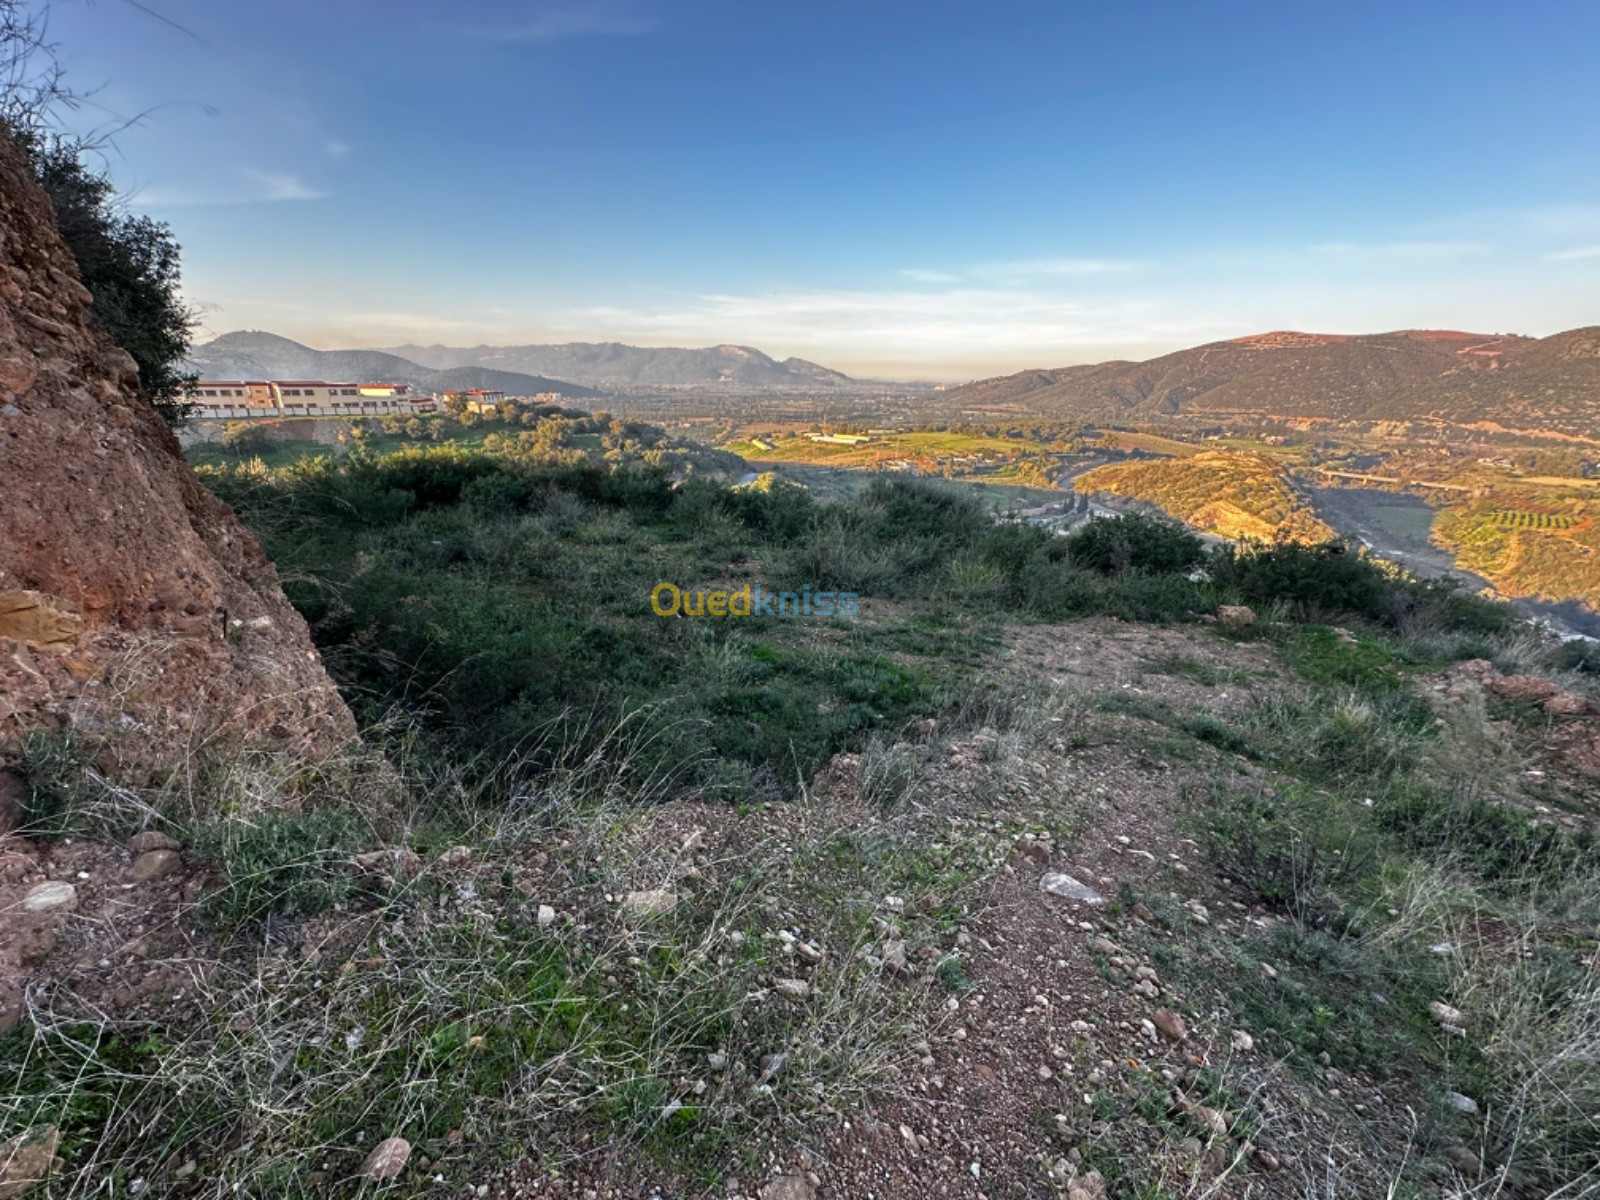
276, 399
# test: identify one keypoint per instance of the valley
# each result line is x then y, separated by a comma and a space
1484, 450
605, 600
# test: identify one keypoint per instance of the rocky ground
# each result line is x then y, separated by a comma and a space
1010, 954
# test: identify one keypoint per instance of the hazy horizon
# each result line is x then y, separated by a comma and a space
316, 342
901, 191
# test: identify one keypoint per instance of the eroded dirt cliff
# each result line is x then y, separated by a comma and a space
131, 599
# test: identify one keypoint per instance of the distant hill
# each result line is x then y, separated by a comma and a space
612, 365
1228, 494
1549, 385
254, 354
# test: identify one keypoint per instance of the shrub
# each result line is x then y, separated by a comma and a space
1135, 543
53, 769
1329, 577
246, 439
917, 509
495, 493
282, 863
1296, 848
888, 771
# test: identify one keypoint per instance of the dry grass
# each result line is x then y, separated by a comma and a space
453, 1010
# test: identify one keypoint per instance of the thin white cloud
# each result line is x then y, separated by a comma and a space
1574, 254
1562, 220
336, 149
553, 24
273, 185
258, 187
923, 276
1432, 251
992, 321
1033, 268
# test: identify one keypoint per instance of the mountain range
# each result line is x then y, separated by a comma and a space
1545, 385
573, 368
607, 365
253, 354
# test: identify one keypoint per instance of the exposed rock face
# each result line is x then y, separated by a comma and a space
126, 588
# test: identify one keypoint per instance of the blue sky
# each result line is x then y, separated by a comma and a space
931, 189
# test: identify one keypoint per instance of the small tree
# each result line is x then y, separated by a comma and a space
129, 263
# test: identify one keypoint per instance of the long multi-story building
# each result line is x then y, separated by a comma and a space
276, 399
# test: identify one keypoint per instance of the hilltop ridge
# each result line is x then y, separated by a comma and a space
1549, 385
613, 364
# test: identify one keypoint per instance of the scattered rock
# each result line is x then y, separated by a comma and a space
1445, 1014
27, 1159
1461, 1103
1243, 1043
772, 1066
46, 897
1567, 704
153, 839
547, 916
788, 1187
1530, 688
389, 865
795, 989
894, 956
456, 856
1211, 1119
155, 864
1265, 1159
1236, 616
1089, 1186
388, 1159
1170, 1025
1065, 886
652, 902
717, 1061
1034, 852
1464, 1160
808, 953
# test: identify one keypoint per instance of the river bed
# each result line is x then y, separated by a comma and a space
1395, 526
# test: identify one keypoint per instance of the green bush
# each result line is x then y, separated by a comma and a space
246, 439
1329, 577
1135, 543
497, 493
1298, 849
1503, 847
1333, 578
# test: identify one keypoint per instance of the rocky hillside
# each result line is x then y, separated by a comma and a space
127, 591
1547, 385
